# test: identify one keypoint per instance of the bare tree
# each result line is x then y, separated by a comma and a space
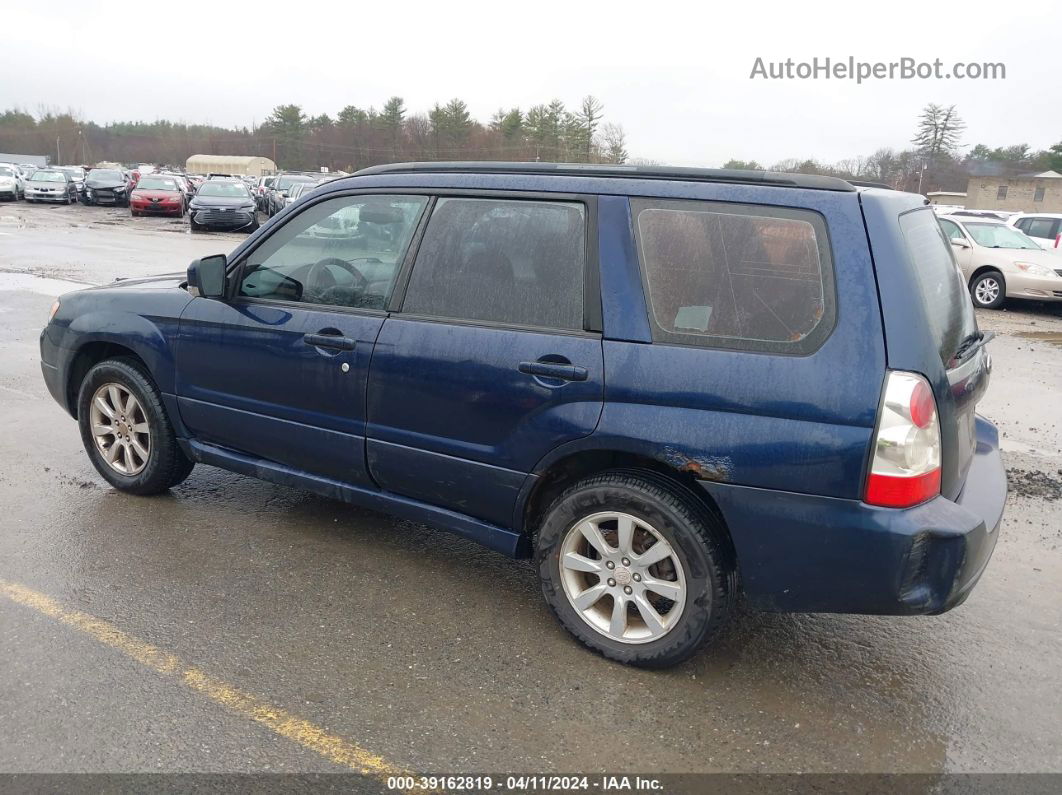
615, 143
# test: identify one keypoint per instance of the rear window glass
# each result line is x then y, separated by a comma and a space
735, 276
948, 305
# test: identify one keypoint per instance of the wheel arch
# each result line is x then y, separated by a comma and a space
566, 467
983, 269
87, 356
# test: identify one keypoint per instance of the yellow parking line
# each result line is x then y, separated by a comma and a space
279, 721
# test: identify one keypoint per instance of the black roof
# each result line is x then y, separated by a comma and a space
813, 181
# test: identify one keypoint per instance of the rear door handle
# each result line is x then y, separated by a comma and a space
563, 372
330, 341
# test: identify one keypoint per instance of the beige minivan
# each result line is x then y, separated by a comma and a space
1001, 262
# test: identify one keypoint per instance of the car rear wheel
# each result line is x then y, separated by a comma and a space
989, 290
126, 431
635, 569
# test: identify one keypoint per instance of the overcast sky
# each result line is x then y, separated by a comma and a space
676, 76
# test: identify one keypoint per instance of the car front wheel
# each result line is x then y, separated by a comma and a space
989, 290
635, 569
126, 431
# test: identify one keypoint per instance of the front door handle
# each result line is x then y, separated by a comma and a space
562, 372
330, 341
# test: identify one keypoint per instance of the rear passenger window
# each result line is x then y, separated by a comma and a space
735, 276
1039, 227
512, 262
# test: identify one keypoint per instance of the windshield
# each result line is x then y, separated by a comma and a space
156, 183
74, 172
229, 189
6, 172
999, 236
49, 176
105, 174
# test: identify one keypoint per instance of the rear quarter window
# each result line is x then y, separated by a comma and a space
735, 276
940, 282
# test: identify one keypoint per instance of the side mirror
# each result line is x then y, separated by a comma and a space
206, 276
959, 243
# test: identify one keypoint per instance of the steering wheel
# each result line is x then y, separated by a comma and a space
320, 269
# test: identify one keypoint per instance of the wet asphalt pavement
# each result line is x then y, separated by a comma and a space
438, 655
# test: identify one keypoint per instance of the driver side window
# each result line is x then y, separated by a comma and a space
341, 252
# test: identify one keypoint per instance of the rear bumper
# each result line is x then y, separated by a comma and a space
803, 553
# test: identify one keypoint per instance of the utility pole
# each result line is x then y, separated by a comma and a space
58, 157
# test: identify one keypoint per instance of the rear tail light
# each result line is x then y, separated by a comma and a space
1058, 241
905, 469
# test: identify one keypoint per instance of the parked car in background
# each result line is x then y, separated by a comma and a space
297, 190
157, 194
1044, 228
77, 173
992, 215
188, 188
50, 185
261, 192
222, 204
278, 192
107, 186
765, 382
1000, 262
10, 182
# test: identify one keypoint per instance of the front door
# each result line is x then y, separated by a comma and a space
489, 365
278, 370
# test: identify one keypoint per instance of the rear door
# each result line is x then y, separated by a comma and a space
494, 359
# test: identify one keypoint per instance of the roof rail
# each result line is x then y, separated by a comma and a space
866, 183
813, 181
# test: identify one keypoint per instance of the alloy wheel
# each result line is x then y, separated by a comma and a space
622, 577
120, 429
987, 291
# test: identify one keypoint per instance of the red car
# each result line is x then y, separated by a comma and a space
157, 195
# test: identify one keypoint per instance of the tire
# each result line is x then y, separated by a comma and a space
696, 560
165, 464
989, 290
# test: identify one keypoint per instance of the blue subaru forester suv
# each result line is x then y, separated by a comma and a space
666, 385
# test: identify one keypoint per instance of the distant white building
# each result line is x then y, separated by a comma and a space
947, 197
33, 160
230, 164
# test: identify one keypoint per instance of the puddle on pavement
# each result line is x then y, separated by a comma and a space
1053, 337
